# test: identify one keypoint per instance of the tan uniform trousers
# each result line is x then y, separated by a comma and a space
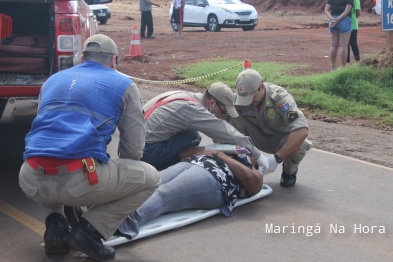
123, 186
272, 143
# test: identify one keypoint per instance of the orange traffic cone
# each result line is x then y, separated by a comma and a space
135, 45
246, 64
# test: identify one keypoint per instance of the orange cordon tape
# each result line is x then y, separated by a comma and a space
190, 80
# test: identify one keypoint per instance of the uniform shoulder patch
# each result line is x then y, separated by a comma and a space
292, 116
283, 106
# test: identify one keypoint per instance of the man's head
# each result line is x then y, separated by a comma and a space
101, 49
220, 100
248, 88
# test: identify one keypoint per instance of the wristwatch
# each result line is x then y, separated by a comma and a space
278, 159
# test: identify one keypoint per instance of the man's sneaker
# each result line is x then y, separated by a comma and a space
56, 229
86, 239
150, 36
288, 180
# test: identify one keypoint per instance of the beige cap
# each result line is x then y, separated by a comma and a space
224, 94
247, 83
106, 44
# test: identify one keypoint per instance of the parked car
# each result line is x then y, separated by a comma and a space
216, 14
102, 12
377, 7
63, 25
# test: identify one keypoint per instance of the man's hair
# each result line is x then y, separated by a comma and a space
102, 58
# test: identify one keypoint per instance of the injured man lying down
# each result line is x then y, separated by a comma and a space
204, 179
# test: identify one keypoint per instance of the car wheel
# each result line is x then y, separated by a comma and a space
212, 24
174, 26
103, 21
247, 28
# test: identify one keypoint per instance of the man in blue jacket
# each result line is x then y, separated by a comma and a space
65, 157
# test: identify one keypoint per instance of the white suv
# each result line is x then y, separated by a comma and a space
216, 14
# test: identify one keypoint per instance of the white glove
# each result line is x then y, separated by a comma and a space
262, 170
262, 161
272, 165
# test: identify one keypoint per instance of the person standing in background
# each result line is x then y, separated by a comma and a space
353, 40
145, 6
177, 16
339, 14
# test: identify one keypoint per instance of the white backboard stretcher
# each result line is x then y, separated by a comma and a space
181, 218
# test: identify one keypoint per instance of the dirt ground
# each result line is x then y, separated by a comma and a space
285, 34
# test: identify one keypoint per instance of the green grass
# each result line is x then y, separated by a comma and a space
357, 92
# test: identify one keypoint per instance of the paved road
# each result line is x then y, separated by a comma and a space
332, 193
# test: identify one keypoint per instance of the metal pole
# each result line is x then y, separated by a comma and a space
389, 39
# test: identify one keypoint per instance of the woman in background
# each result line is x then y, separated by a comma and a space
340, 27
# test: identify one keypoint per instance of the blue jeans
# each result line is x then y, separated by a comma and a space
344, 26
183, 186
166, 153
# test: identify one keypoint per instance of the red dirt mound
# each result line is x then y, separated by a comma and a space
381, 59
301, 5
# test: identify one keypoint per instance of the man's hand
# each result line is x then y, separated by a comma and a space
262, 170
262, 161
272, 165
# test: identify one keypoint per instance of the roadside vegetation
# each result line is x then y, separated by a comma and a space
356, 92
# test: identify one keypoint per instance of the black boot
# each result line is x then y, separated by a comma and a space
85, 238
56, 229
287, 180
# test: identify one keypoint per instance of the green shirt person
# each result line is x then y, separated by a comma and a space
353, 42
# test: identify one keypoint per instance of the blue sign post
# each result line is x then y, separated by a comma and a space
387, 21
387, 15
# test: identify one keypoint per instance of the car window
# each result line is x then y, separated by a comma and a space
189, 2
196, 2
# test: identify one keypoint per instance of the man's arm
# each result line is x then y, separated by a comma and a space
293, 142
131, 125
356, 6
252, 180
190, 151
152, 3
217, 129
358, 13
